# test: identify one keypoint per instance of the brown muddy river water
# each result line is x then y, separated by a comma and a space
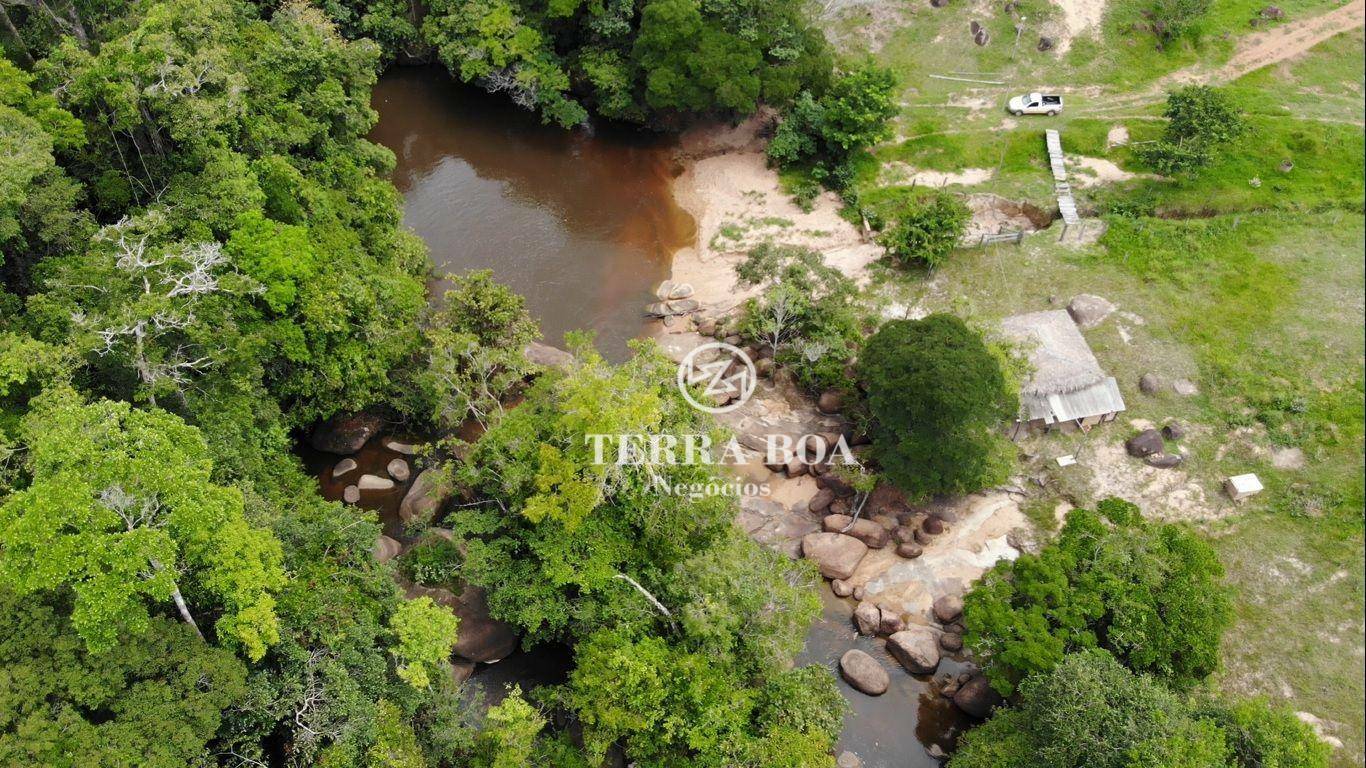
581, 223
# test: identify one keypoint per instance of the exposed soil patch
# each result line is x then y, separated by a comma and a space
993, 214
897, 172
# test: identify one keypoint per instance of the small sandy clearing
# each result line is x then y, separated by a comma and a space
738, 203
897, 172
1079, 17
1096, 171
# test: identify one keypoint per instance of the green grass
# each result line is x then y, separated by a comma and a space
1263, 311
1326, 84
1298, 628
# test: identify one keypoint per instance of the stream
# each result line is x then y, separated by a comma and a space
583, 225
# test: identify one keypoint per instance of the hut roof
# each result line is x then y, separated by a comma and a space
1061, 359
1067, 382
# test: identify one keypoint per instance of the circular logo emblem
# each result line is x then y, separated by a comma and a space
725, 373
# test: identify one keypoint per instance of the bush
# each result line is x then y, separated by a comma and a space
1091, 711
1150, 594
434, 561
805, 313
937, 396
1173, 18
926, 229
1200, 120
825, 134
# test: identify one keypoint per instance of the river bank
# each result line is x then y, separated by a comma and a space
737, 202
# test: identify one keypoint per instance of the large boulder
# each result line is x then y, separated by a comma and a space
547, 356
821, 500
480, 637
1145, 443
835, 554
345, 433
425, 498
867, 617
1089, 311
864, 673
916, 649
863, 529
947, 608
386, 549
830, 402
976, 697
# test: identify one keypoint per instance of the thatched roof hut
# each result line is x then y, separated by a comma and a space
1066, 385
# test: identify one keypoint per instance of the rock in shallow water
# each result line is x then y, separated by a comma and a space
916, 649
835, 554
343, 467
864, 673
374, 483
398, 469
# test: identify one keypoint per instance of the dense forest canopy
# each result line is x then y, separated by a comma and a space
201, 258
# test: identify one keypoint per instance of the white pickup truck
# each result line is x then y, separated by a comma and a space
1036, 104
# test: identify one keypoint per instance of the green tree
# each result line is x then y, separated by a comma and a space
155, 703
1200, 120
926, 228
656, 61
122, 511
426, 633
806, 312
508, 739
937, 396
1091, 712
826, 132
1151, 594
474, 350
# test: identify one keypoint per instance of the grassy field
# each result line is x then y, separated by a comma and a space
1245, 277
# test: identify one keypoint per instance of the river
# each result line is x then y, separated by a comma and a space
582, 223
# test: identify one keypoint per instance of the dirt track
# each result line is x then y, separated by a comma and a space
1287, 41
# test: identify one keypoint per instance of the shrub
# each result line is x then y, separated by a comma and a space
806, 312
1200, 119
926, 229
434, 561
1091, 711
825, 134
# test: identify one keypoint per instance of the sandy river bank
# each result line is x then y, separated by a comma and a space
737, 202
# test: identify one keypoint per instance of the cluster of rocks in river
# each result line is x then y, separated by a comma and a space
482, 639
916, 643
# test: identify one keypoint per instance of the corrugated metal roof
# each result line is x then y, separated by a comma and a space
1096, 400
